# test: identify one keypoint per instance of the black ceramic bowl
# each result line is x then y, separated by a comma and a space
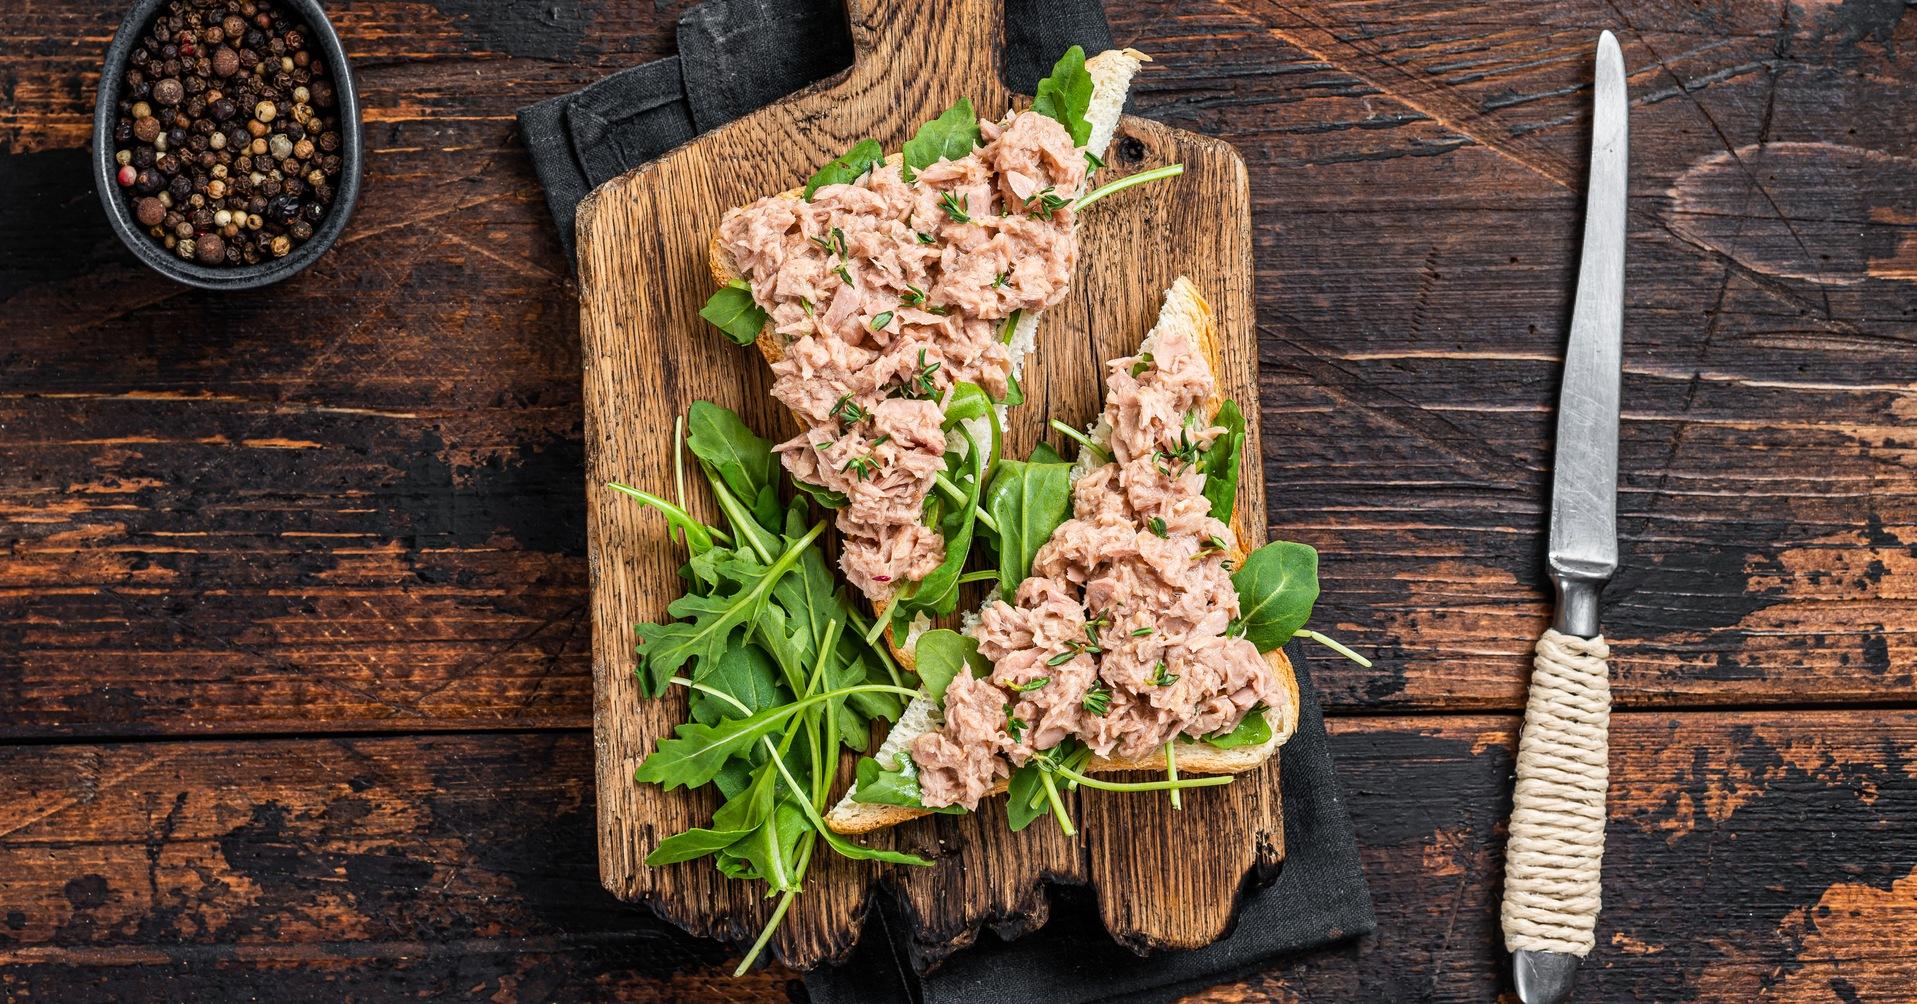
106, 113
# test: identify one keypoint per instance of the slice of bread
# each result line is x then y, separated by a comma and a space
1184, 311
1111, 73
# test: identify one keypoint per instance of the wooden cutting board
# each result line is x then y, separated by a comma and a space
1164, 878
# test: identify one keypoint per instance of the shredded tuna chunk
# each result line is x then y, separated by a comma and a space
1130, 596
887, 292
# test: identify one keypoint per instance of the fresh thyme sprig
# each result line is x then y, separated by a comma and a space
957, 207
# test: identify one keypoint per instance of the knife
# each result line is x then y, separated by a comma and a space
1556, 843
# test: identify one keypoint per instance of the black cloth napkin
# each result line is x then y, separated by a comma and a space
736, 56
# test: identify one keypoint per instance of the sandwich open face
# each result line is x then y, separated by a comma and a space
1129, 631
896, 298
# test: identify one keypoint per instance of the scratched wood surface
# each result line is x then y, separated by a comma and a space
267, 546
643, 274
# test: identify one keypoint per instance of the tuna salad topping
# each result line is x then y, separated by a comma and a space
1122, 637
886, 292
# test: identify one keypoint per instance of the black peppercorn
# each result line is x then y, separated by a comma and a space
220, 93
282, 210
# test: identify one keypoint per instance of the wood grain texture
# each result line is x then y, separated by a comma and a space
394, 438
648, 356
1754, 857
353, 503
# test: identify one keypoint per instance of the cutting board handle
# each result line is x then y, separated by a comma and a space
893, 38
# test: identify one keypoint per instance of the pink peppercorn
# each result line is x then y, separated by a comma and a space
128, 175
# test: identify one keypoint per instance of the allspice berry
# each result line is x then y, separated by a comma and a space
150, 211
169, 92
146, 130
226, 62
209, 249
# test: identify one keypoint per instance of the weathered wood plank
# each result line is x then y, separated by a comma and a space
1408, 365
1749, 857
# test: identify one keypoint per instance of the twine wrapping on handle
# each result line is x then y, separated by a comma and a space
1552, 858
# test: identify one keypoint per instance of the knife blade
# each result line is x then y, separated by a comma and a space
1582, 557
1583, 547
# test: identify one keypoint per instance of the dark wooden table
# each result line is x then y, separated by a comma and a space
294, 688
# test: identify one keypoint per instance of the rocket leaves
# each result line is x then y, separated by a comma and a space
1221, 461
1028, 500
874, 785
777, 685
847, 168
1066, 95
1277, 585
733, 311
950, 136
941, 655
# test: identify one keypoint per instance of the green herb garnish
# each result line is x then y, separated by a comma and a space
950, 136
1014, 725
846, 168
955, 207
1098, 700
1067, 94
1161, 677
733, 311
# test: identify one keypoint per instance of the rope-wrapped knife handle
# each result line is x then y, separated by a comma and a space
1552, 858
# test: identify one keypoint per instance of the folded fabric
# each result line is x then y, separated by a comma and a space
736, 56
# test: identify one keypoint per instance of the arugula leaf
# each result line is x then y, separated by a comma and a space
1276, 586
703, 631
825, 497
699, 538
705, 624
876, 786
771, 850
1067, 94
937, 593
733, 311
1255, 730
1222, 461
941, 654
950, 136
1025, 796
692, 844
968, 402
746, 672
1014, 392
741, 459
1028, 501
847, 168
694, 758
1044, 454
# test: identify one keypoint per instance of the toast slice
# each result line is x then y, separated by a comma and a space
1111, 72
1184, 311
